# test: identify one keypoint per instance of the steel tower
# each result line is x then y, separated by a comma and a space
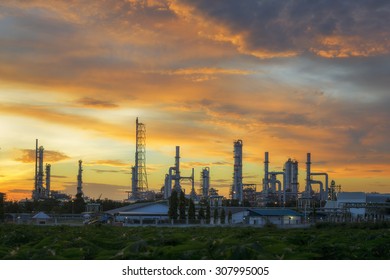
139, 176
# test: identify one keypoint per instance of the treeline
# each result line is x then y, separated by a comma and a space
183, 210
54, 206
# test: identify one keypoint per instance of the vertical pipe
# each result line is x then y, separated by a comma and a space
135, 178
40, 171
205, 182
193, 181
266, 176
177, 160
308, 172
133, 182
166, 187
48, 171
295, 177
36, 169
177, 169
237, 177
170, 181
80, 179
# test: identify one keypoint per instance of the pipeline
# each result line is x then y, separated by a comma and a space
322, 196
321, 186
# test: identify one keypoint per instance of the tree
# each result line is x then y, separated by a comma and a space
201, 213
208, 214
234, 203
191, 210
173, 205
2, 199
215, 218
182, 206
223, 216
230, 217
78, 204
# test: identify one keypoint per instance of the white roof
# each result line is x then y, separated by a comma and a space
330, 204
351, 197
41, 215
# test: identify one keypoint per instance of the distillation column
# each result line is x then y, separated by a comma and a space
80, 180
237, 176
177, 170
39, 190
294, 178
48, 171
308, 188
205, 182
291, 177
266, 175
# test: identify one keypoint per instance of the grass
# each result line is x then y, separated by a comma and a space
324, 241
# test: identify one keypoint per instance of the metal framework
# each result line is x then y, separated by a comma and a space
139, 176
174, 175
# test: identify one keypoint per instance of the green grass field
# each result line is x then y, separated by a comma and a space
353, 241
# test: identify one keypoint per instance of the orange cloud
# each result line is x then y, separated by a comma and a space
96, 103
72, 120
116, 163
28, 156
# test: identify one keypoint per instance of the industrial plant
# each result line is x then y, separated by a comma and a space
277, 199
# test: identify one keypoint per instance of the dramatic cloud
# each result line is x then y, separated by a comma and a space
268, 28
199, 74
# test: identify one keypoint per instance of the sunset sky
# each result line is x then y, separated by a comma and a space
287, 77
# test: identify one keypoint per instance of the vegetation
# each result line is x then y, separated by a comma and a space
201, 214
182, 206
208, 214
173, 205
230, 217
2, 198
223, 216
215, 216
191, 210
54, 206
324, 241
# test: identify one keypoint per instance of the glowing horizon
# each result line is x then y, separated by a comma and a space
286, 77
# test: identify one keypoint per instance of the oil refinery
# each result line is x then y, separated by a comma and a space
279, 190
